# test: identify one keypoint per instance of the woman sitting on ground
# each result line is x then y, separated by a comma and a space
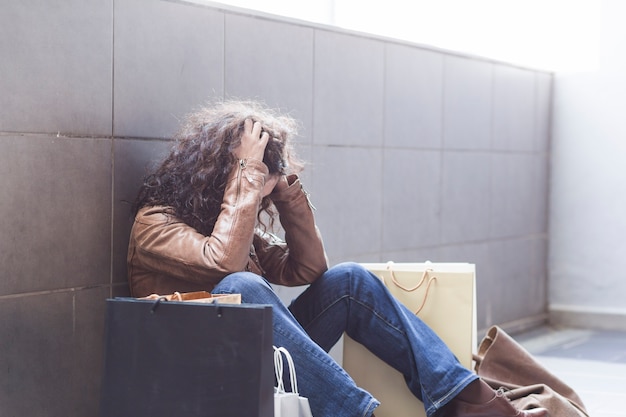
202, 222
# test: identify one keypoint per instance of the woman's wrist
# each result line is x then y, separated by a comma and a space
281, 185
284, 188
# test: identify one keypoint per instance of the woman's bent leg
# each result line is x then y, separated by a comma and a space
349, 298
330, 390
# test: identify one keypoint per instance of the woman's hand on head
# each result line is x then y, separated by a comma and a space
253, 141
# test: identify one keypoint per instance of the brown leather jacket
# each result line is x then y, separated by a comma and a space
166, 255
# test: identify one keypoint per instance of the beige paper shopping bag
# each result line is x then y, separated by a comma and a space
441, 294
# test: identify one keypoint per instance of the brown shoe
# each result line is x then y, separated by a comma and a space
499, 406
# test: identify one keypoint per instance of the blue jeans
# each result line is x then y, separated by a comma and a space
348, 298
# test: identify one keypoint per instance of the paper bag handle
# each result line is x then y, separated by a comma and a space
419, 284
430, 281
278, 369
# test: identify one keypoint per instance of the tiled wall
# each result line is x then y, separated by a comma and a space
415, 154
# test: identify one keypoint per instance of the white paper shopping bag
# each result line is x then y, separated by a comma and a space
288, 403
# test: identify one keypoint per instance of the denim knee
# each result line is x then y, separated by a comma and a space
358, 275
249, 285
348, 267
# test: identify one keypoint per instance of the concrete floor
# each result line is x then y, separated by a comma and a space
592, 362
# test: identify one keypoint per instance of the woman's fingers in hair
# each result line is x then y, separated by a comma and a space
247, 125
255, 129
253, 141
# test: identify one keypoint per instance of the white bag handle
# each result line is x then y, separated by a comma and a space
278, 369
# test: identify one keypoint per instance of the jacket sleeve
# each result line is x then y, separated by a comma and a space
164, 244
301, 258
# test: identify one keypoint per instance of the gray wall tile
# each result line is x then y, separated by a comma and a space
466, 196
543, 111
55, 212
51, 362
411, 199
349, 210
413, 97
272, 62
56, 67
540, 184
87, 352
169, 59
512, 280
467, 105
513, 194
513, 109
35, 356
305, 153
432, 253
537, 292
348, 90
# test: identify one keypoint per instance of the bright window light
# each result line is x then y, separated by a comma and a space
556, 35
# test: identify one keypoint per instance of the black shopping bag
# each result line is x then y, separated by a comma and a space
186, 359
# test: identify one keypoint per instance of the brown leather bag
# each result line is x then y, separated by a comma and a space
505, 364
198, 297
